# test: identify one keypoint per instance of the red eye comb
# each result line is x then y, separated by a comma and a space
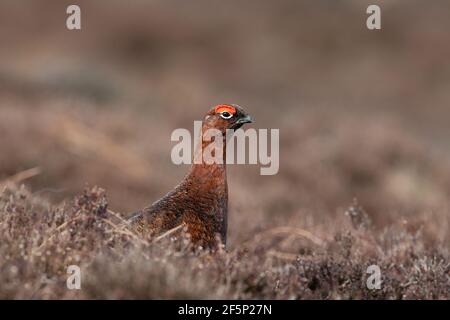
225, 107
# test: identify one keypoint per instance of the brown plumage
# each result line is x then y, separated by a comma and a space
200, 201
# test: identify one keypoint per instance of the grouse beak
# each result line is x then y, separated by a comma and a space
245, 119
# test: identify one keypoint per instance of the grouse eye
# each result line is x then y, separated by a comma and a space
226, 115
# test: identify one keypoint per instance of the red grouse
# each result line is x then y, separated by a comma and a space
200, 201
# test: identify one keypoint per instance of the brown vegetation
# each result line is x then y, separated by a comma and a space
312, 252
364, 156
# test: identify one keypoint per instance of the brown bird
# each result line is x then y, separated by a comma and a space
200, 201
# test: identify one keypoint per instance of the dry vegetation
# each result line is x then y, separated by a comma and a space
39, 241
289, 253
361, 116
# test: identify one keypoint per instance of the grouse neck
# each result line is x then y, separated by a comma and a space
202, 164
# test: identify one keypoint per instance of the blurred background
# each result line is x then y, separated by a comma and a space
362, 114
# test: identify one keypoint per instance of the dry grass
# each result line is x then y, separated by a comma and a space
362, 115
39, 241
291, 235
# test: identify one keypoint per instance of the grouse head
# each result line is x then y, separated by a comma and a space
226, 116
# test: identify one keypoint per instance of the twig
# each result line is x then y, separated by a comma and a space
292, 231
21, 176
125, 231
282, 255
287, 255
118, 217
169, 232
